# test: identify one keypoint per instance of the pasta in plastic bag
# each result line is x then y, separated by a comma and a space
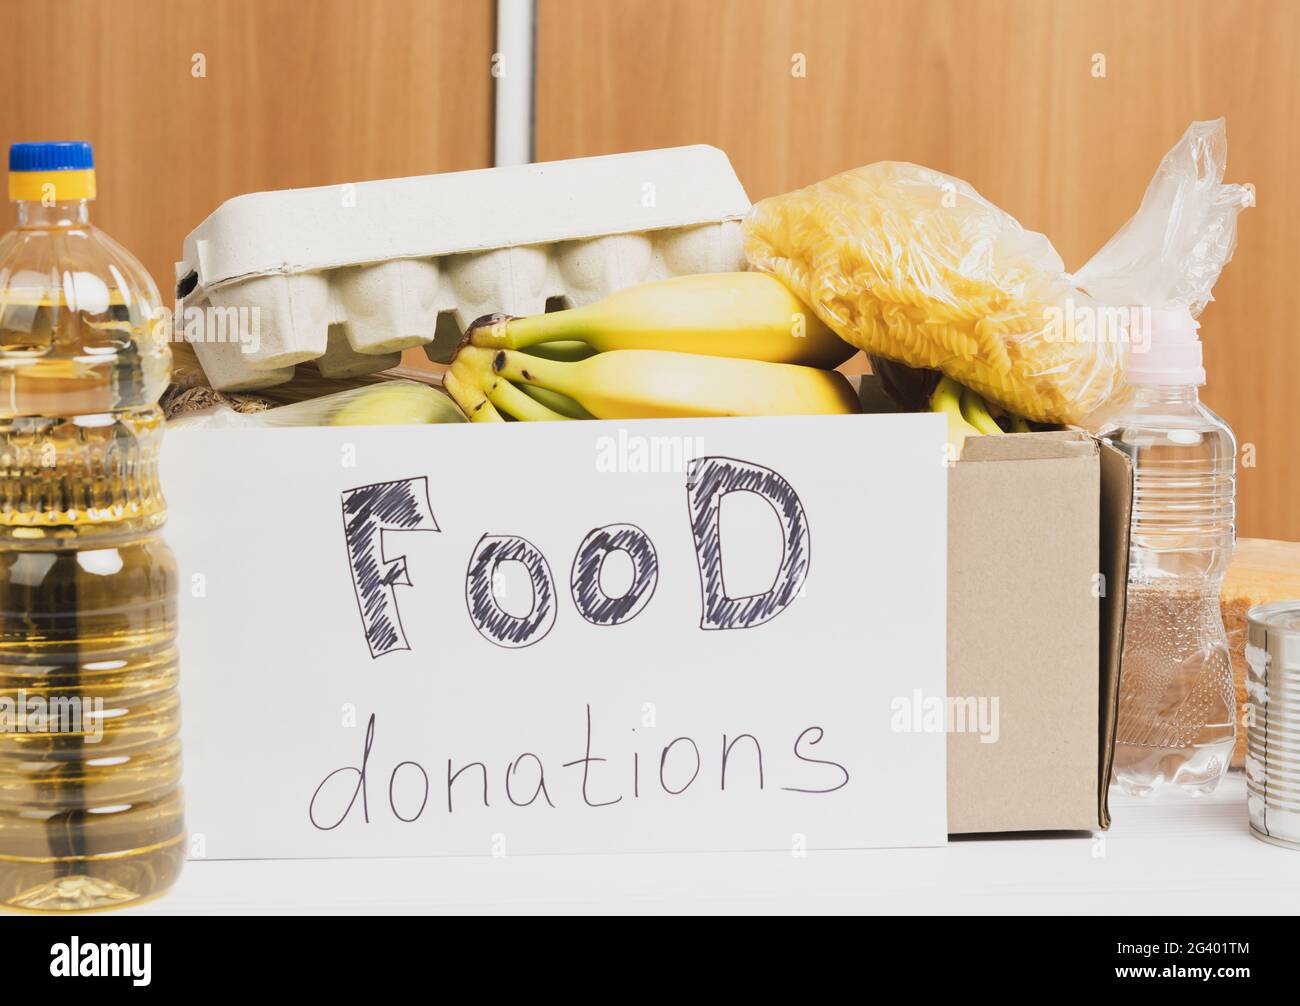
912, 264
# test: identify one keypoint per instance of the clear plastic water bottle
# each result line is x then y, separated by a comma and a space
90, 802
1177, 710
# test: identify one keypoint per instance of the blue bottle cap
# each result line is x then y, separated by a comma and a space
51, 157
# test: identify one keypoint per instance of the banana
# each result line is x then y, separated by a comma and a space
975, 411
947, 400
566, 350
379, 404
390, 402
466, 391
488, 397
749, 315
633, 383
562, 404
510, 400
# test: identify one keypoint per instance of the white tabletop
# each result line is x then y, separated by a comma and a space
1160, 856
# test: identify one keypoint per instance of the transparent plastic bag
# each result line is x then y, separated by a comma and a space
381, 403
914, 265
1170, 253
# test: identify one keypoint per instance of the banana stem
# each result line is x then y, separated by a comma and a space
535, 370
506, 397
946, 396
520, 333
975, 412
487, 413
489, 373
564, 350
467, 391
562, 404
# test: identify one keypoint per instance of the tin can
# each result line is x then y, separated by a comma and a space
1273, 722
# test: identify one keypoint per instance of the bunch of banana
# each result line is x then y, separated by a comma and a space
968, 414
719, 344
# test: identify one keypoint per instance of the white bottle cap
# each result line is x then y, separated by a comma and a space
1170, 353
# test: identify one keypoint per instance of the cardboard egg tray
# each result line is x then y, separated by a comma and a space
348, 276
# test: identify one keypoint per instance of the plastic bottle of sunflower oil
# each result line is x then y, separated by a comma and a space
90, 801
1176, 714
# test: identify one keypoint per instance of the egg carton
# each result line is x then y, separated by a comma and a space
348, 276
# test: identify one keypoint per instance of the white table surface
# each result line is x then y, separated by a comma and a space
1160, 856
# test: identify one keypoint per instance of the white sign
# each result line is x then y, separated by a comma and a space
560, 637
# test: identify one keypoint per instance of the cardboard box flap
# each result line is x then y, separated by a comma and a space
1116, 506
1030, 446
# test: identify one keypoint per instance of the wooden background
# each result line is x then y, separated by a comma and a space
999, 92
296, 93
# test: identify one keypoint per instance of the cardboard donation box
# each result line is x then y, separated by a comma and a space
657, 635
642, 635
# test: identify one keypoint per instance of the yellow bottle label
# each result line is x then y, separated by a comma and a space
48, 187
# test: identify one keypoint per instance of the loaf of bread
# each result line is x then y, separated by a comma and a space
1261, 571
